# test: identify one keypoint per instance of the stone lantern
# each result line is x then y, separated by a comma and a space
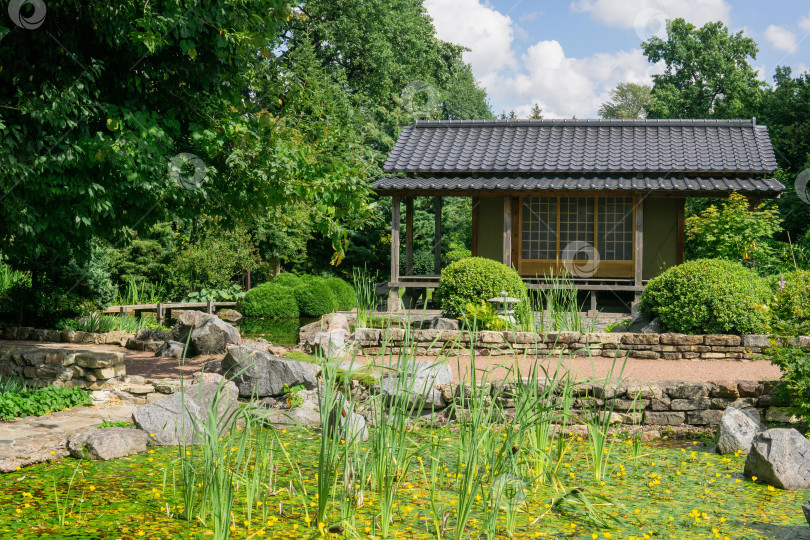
505, 306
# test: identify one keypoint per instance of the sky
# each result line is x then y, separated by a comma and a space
566, 55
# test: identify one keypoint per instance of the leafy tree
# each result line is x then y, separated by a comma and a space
707, 72
146, 256
536, 113
627, 100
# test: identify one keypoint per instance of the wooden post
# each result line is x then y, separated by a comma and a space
638, 256
209, 308
393, 294
437, 235
475, 203
408, 236
248, 280
680, 232
159, 315
507, 231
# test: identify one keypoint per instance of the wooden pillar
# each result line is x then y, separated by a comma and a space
408, 236
638, 245
437, 235
680, 232
507, 231
393, 295
475, 203
159, 313
209, 307
248, 280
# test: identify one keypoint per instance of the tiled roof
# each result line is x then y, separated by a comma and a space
695, 186
703, 147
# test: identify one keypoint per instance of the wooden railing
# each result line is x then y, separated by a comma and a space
164, 310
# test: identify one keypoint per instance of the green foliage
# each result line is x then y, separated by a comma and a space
277, 331
795, 366
141, 292
609, 328
36, 402
707, 73
627, 100
734, 233
293, 398
345, 294
791, 304
144, 258
288, 280
458, 252
270, 300
41, 306
116, 423
230, 293
710, 296
315, 298
90, 276
482, 316
473, 280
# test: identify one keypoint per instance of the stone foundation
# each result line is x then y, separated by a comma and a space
647, 346
26, 333
38, 366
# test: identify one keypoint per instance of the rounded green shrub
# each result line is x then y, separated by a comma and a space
288, 280
270, 300
709, 296
791, 303
344, 293
315, 298
471, 280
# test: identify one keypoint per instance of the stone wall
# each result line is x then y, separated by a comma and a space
42, 366
649, 346
26, 333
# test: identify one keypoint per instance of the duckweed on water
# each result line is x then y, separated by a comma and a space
675, 493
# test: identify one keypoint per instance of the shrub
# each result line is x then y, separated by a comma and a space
288, 280
709, 296
315, 298
469, 281
795, 366
344, 293
791, 303
36, 402
270, 300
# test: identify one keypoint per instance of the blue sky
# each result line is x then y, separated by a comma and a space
567, 55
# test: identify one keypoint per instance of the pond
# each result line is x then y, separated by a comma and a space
277, 331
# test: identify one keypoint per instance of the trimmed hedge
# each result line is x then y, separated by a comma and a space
314, 297
344, 293
791, 303
270, 300
469, 281
288, 280
709, 296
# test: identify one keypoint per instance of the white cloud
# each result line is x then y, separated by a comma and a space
782, 38
799, 68
650, 14
486, 32
804, 22
760, 71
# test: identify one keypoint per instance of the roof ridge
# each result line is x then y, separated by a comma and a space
590, 122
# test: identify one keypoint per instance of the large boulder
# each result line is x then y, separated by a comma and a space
209, 333
181, 417
307, 414
738, 427
260, 374
331, 344
107, 443
780, 458
418, 382
642, 324
329, 323
171, 349
437, 322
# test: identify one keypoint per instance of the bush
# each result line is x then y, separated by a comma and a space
710, 296
344, 293
270, 300
288, 280
791, 304
36, 402
315, 298
469, 281
795, 366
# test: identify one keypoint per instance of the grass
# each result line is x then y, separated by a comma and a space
361, 375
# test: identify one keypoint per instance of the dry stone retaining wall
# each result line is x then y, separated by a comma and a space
649, 346
26, 333
62, 367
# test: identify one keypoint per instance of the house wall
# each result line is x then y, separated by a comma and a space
490, 228
660, 235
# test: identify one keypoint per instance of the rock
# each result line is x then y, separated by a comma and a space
780, 458
328, 344
336, 321
642, 324
305, 415
417, 381
209, 333
437, 323
619, 329
261, 374
213, 366
182, 416
229, 315
352, 425
152, 334
738, 427
806, 510
308, 329
171, 349
261, 344
107, 443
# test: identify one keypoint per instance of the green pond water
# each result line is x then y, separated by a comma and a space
278, 331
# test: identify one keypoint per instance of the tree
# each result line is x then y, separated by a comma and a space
536, 113
627, 100
707, 72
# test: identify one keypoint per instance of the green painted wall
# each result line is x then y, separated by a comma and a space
660, 235
490, 228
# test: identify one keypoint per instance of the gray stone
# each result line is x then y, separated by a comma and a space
780, 458
229, 315
99, 359
418, 382
351, 425
209, 333
336, 321
738, 427
642, 324
689, 390
693, 404
171, 349
329, 344
153, 334
305, 415
182, 416
806, 510
261, 374
782, 415
107, 443
437, 323
664, 418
